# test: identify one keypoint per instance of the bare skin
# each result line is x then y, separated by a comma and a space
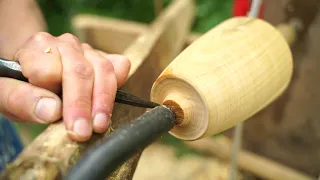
87, 78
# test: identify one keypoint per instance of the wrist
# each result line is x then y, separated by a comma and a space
26, 20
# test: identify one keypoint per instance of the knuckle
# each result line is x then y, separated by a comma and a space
65, 46
106, 66
40, 37
71, 38
83, 71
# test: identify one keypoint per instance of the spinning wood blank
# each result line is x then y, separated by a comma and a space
224, 77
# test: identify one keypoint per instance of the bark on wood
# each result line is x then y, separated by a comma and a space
260, 166
52, 153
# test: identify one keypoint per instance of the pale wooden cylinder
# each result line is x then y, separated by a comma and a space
224, 77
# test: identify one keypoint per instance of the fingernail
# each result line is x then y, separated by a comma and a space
82, 128
101, 122
46, 109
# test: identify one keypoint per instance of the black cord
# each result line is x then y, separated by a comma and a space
113, 150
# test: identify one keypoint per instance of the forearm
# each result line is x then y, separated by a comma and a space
19, 19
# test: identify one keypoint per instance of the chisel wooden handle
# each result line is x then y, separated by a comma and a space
224, 77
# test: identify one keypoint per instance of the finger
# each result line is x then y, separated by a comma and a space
77, 82
72, 40
104, 91
121, 66
40, 62
25, 102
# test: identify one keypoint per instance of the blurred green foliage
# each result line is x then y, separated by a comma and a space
58, 12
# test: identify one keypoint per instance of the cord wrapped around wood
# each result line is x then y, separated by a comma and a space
110, 152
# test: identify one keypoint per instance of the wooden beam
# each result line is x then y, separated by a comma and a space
52, 153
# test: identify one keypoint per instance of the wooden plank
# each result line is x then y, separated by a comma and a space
52, 153
113, 35
107, 34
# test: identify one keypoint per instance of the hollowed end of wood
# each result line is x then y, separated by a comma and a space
192, 115
175, 107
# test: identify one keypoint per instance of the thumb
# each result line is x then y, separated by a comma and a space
23, 102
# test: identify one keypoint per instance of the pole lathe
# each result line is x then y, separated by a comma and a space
224, 77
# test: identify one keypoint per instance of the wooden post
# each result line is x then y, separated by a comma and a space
52, 153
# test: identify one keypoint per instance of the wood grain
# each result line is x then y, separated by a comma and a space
226, 76
52, 153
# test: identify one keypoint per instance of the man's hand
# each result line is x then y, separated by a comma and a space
87, 79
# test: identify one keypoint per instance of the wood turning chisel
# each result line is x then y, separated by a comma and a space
12, 69
143, 131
